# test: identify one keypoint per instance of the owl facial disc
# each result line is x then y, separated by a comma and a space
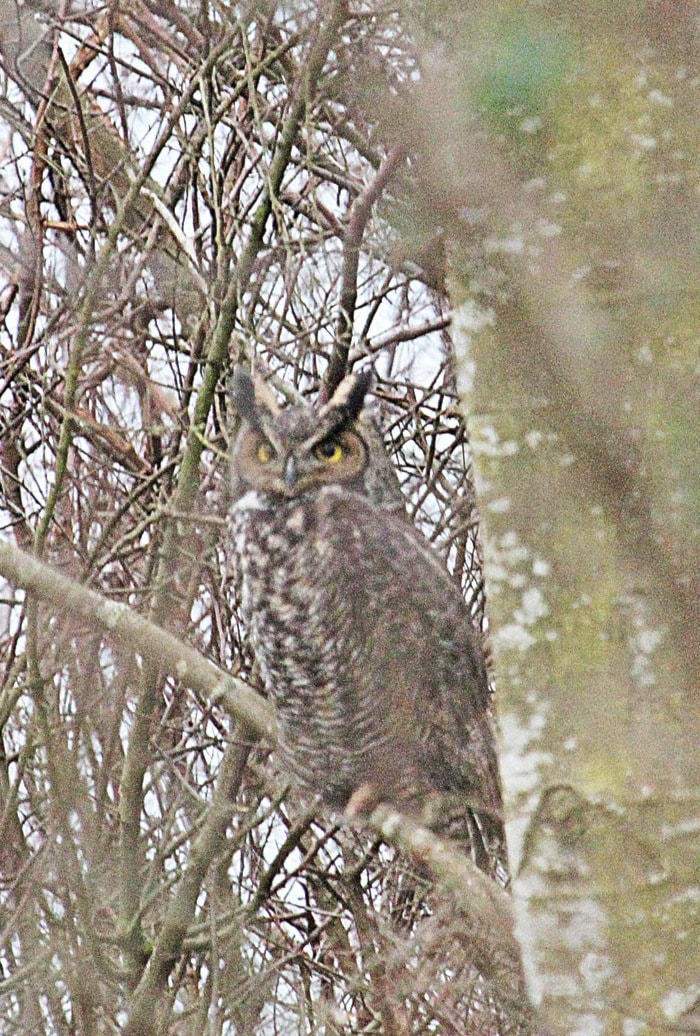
287, 452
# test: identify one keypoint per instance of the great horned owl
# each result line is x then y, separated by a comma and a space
362, 639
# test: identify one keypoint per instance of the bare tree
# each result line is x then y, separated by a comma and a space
185, 189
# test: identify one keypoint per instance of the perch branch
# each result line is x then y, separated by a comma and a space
165, 652
484, 908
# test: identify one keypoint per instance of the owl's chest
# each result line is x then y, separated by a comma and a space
284, 598
302, 643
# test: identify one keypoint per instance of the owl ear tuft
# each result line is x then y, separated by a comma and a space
349, 397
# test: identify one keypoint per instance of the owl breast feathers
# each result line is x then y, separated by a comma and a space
363, 641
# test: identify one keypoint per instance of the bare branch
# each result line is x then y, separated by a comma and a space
162, 650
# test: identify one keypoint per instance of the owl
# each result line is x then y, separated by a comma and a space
361, 637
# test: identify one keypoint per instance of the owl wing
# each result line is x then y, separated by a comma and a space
421, 663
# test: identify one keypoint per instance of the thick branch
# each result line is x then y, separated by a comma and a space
484, 912
181, 912
164, 651
483, 915
562, 345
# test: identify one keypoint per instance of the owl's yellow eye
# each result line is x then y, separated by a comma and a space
331, 451
265, 453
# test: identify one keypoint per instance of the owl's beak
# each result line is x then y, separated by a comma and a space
290, 473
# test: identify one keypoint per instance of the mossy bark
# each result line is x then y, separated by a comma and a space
575, 337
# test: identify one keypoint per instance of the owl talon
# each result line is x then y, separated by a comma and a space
363, 801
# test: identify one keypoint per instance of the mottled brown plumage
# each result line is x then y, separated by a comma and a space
363, 642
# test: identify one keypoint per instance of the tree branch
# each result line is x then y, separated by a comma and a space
172, 932
164, 651
485, 912
359, 217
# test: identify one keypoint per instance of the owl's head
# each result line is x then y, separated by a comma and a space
286, 452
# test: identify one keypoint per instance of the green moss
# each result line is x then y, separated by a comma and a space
524, 68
